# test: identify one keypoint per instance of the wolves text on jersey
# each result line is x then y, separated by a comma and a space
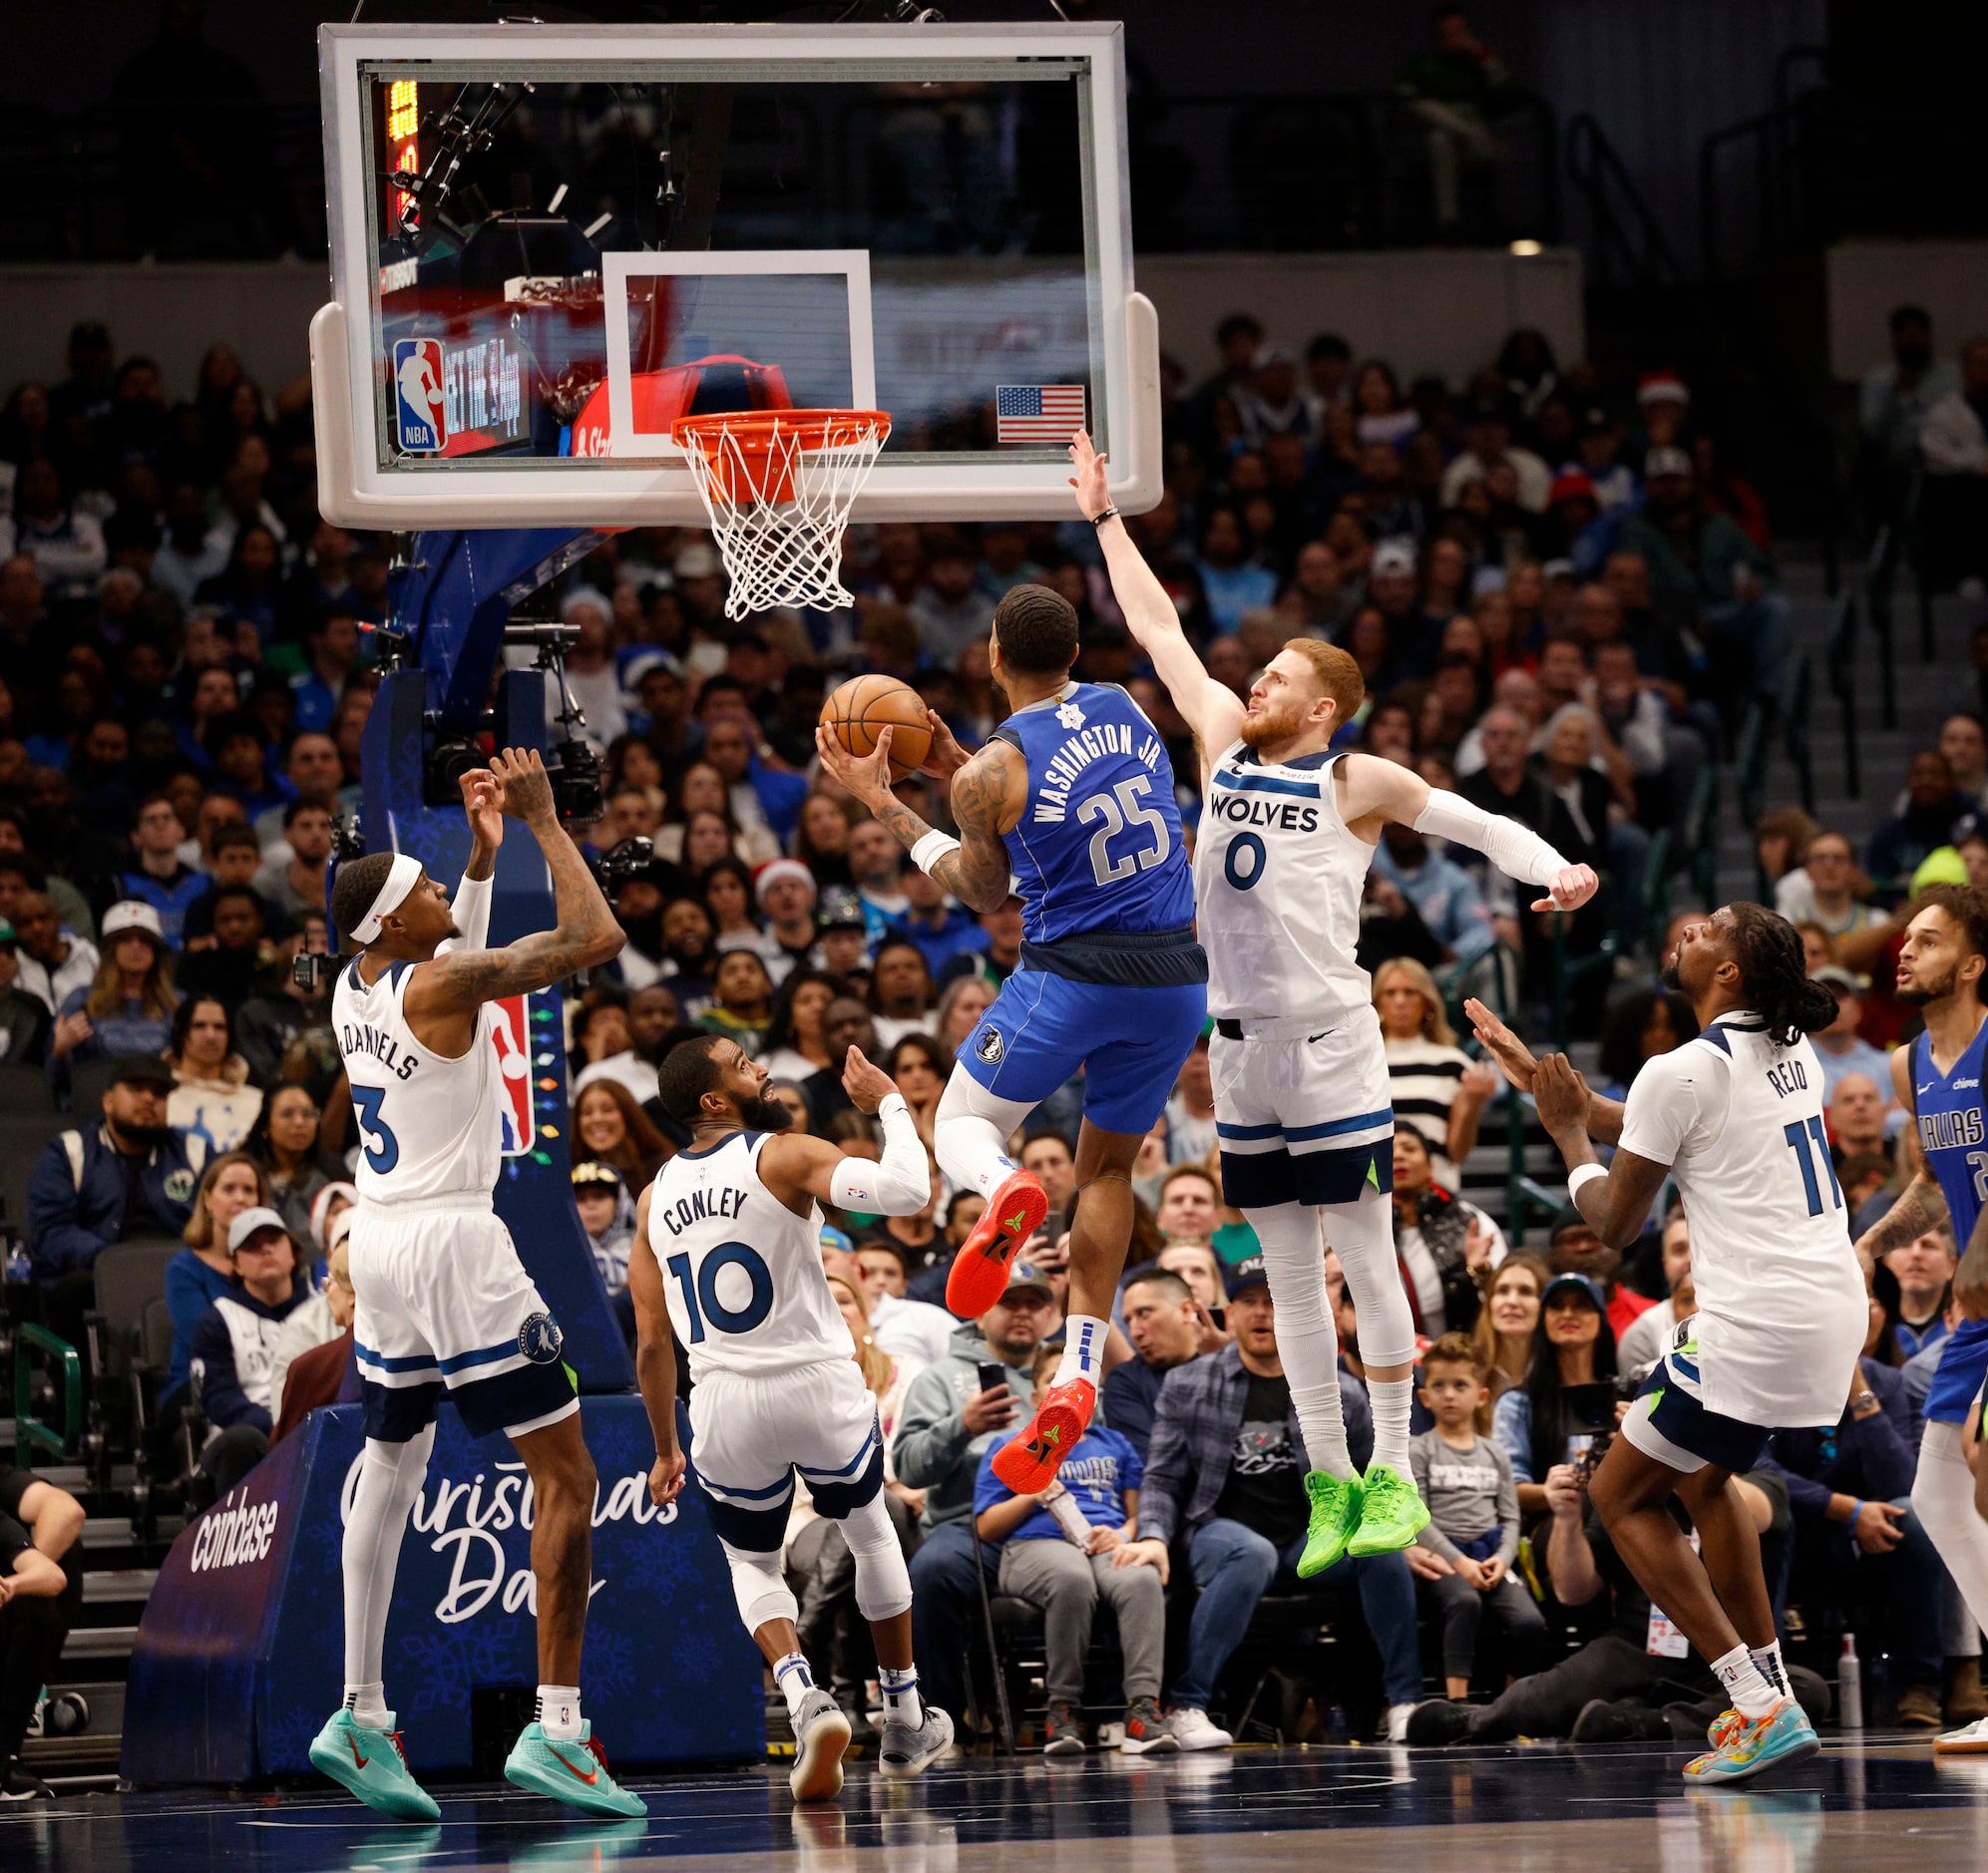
1252, 810
363, 1037
1063, 769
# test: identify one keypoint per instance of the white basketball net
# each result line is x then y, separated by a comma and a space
783, 552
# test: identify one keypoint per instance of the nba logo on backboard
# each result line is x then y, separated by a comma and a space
417, 386
511, 1036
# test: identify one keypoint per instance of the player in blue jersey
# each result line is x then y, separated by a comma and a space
1072, 797
1937, 1077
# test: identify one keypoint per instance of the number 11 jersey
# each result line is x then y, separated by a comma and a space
1780, 1303
428, 1126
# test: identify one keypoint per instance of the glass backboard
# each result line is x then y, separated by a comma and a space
548, 242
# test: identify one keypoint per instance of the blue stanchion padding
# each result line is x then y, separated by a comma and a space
240, 1657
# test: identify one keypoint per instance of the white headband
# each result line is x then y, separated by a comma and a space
402, 877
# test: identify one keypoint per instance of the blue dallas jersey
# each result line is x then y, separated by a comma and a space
1951, 1128
1098, 847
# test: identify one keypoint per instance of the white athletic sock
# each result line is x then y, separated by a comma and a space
901, 1704
390, 1478
369, 1704
1391, 1399
791, 1674
1943, 1500
1294, 1257
558, 1713
1767, 1661
1751, 1694
1083, 1349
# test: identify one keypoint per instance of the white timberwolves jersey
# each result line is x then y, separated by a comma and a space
1780, 1303
742, 1272
428, 1126
1277, 877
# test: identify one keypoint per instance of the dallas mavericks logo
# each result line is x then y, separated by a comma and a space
989, 1047
540, 1340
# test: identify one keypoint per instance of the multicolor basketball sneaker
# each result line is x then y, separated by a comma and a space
1028, 1460
979, 1271
1783, 1735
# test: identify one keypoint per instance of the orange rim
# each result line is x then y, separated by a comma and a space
759, 428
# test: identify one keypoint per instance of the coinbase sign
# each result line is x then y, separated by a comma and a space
239, 1658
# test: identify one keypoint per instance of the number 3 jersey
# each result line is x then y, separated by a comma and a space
741, 1270
428, 1126
1782, 1314
1279, 877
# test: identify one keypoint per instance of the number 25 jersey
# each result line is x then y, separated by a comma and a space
1780, 1304
742, 1272
428, 1126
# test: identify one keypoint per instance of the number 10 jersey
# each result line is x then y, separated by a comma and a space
428, 1126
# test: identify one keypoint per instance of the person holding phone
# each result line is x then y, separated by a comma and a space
1552, 1417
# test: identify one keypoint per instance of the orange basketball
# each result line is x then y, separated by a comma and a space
859, 708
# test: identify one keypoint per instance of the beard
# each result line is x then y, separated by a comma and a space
1669, 977
765, 1114
1275, 721
1920, 993
147, 1136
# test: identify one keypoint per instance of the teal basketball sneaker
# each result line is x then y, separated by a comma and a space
370, 1763
573, 1772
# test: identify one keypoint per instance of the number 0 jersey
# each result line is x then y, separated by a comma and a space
1780, 1304
742, 1272
1279, 876
428, 1126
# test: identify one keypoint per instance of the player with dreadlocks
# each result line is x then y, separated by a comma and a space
1735, 1117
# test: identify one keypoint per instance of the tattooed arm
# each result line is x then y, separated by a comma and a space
1922, 1204
443, 996
987, 799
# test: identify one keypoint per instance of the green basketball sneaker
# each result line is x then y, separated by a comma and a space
574, 1772
1392, 1515
369, 1762
1335, 1516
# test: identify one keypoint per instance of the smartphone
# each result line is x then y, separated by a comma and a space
1220, 1315
991, 1374
1054, 1225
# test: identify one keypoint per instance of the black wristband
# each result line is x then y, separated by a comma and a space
1109, 513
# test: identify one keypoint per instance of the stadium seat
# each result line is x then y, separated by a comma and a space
24, 1092
21, 1142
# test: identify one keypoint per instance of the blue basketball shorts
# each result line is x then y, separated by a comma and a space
1669, 1421
1129, 1041
1962, 1368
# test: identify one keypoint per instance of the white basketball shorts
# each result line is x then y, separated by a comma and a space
749, 1433
1301, 1111
444, 1302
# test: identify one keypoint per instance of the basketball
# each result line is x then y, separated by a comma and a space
856, 710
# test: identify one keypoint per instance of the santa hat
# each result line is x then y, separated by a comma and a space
322, 1202
1661, 387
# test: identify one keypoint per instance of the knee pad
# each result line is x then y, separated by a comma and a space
882, 1582
760, 1586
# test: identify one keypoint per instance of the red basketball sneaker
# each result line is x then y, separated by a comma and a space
1028, 1462
979, 1271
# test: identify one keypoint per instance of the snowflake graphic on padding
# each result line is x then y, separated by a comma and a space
454, 1662
286, 1737
608, 1665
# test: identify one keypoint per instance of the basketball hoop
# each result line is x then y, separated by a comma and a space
778, 485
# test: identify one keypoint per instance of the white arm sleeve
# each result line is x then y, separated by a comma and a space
471, 909
1515, 850
899, 1182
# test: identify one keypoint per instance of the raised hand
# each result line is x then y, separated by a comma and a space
868, 777
944, 757
483, 806
1093, 492
525, 789
1561, 1095
865, 1082
1569, 889
1502, 1044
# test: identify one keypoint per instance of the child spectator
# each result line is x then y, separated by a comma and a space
1466, 1481
607, 1217
1063, 1550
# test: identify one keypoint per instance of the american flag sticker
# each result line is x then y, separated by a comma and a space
1037, 413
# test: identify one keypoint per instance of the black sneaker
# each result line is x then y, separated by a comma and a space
1603, 1722
19, 1785
1062, 1735
1437, 1720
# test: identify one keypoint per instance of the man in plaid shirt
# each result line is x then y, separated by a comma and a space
1225, 1476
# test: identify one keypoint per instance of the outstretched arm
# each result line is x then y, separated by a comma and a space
1604, 1115
1617, 1202
1384, 792
655, 1358
471, 904
987, 799
1208, 707
798, 1168
586, 933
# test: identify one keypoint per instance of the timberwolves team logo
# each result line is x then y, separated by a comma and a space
989, 1047
540, 1340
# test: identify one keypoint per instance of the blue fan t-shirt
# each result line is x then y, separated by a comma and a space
1097, 1473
